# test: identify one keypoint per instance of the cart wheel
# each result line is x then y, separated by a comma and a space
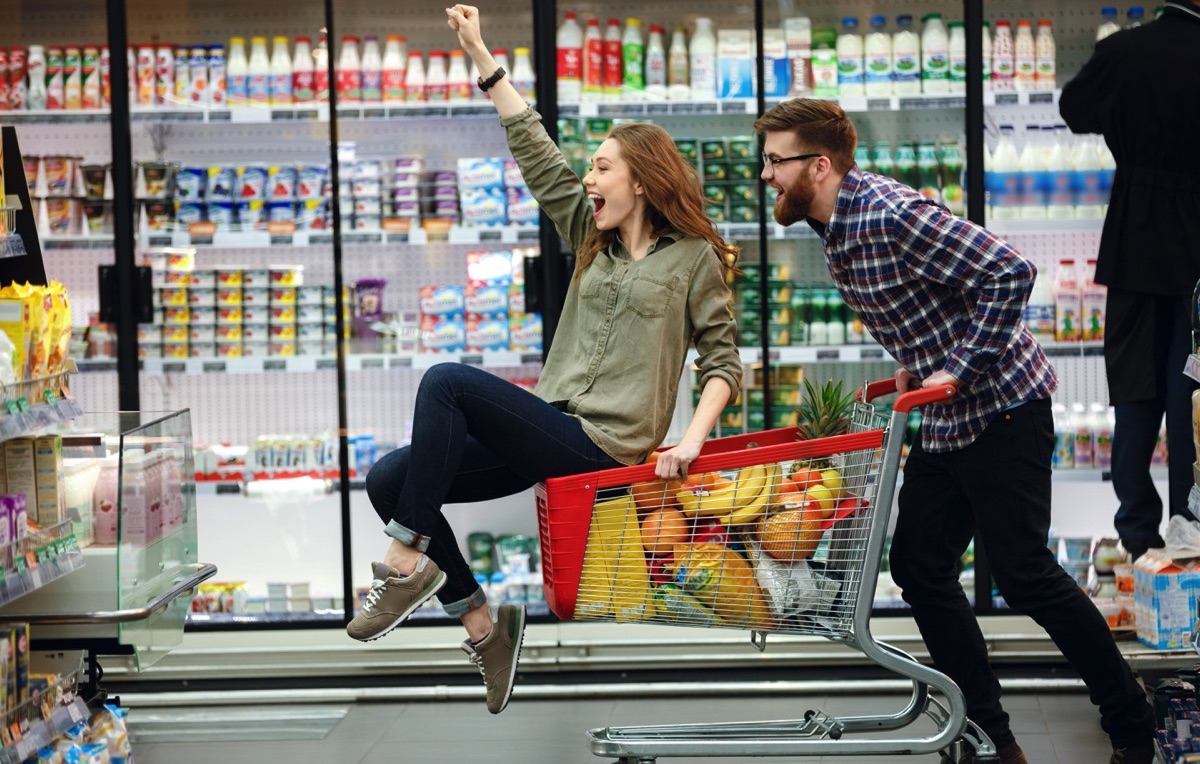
835, 734
809, 714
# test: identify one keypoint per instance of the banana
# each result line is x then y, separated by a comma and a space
745, 489
756, 508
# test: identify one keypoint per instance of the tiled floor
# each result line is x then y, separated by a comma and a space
1052, 728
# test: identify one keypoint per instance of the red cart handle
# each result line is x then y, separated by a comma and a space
907, 401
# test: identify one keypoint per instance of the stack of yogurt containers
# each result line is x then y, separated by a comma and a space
56, 188
492, 192
250, 196
439, 197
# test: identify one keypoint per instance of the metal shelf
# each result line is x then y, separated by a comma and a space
490, 359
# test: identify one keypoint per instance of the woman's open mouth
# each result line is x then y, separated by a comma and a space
597, 203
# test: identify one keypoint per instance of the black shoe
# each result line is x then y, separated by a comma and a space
1138, 547
1142, 753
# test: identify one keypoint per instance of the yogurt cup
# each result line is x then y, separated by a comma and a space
202, 333
229, 349
286, 276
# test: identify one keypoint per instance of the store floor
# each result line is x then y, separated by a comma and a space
1060, 727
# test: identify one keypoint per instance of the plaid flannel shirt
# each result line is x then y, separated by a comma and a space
939, 293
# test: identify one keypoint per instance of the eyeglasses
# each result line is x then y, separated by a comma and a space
770, 163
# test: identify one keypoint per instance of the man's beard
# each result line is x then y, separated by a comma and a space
796, 202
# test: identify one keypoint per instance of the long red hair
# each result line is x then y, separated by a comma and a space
673, 197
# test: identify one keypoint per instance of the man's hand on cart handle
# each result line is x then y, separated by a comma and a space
906, 381
672, 464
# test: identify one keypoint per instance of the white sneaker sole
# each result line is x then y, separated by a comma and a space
512, 675
439, 582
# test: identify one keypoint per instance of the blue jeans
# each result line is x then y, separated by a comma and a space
998, 490
475, 437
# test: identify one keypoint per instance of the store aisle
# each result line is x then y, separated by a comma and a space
1062, 728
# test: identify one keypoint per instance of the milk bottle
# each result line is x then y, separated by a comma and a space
437, 82
522, 76
1032, 167
349, 73
877, 58
958, 58
1087, 178
850, 59
237, 71
1102, 423
414, 78
1003, 182
1107, 165
677, 67
281, 73
702, 60
1134, 17
1047, 64
303, 90
1060, 198
1025, 59
258, 81
569, 42
593, 62
1094, 301
614, 61
1067, 303
458, 81
987, 57
1003, 65
906, 58
1080, 425
372, 71
394, 54
1039, 310
656, 65
935, 56
1108, 23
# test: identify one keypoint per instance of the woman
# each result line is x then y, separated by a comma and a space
649, 281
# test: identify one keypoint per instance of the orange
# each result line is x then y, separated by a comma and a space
662, 529
655, 494
804, 477
792, 534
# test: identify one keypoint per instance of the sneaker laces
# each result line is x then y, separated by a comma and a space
477, 659
377, 586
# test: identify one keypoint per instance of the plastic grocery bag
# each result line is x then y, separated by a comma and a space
794, 587
1182, 537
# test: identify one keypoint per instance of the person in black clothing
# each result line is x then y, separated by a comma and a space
1141, 91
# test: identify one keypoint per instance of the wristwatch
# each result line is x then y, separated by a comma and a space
486, 85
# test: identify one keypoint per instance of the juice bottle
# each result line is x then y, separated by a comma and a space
73, 78
569, 43
882, 161
237, 70
851, 80
1067, 303
634, 60
414, 78
281, 73
1003, 63
906, 165
613, 61
677, 67
656, 65
394, 57
258, 80
877, 58
935, 56
437, 85
958, 58
1047, 64
303, 90
321, 69
702, 61
906, 58
593, 62
349, 73
1025, 58
372, 70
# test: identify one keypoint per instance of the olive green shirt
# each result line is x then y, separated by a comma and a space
622, 340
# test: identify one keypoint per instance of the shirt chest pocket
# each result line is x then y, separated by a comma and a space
596, 281
650, 297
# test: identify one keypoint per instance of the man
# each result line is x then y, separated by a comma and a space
1141, 91
945, 298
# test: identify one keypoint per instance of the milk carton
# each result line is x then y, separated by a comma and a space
825, 63
1093, 302
777, 73
735, 63
797, 34
1068, 305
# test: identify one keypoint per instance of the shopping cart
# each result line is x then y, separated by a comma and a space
770, 534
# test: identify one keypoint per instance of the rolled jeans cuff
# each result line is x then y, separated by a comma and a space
407, 537
461, 607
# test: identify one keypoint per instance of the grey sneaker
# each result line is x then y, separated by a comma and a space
497, 655
394, 597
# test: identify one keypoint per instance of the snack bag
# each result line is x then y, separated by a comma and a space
722, 579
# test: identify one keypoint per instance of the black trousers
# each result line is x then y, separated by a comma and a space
998, 490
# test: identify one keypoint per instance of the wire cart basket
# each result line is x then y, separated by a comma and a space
769, 534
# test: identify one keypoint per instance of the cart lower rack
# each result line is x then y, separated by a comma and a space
769, 534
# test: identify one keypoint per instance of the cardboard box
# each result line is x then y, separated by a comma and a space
51, 506
20, 470
1164, 597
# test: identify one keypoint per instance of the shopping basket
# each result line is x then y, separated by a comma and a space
770, 534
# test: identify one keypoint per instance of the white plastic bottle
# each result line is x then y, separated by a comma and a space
1004, 188
35, 65
1064, 439
702, 61
349, 73
522, 74
372, 70
1102, 421
1039, 310
906, 58
458, 80
958, 58
1024, 58
614, 62
1108, 170
1135, 16
321, 69
593, 62
851, 80
1089, 203
258, 81
1060, 199
1085, 442
281, 73
1108, 23
414, 78
237, 71
1032, 165
677, 67
1003, 63
303, 84
877, 58
935, 56
987, 57
656, 65
437, 84
569, 42
1047, 57
394, 56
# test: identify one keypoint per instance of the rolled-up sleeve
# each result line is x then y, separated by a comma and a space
715, 331
556, 189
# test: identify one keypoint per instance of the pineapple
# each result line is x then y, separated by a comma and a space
825, 410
